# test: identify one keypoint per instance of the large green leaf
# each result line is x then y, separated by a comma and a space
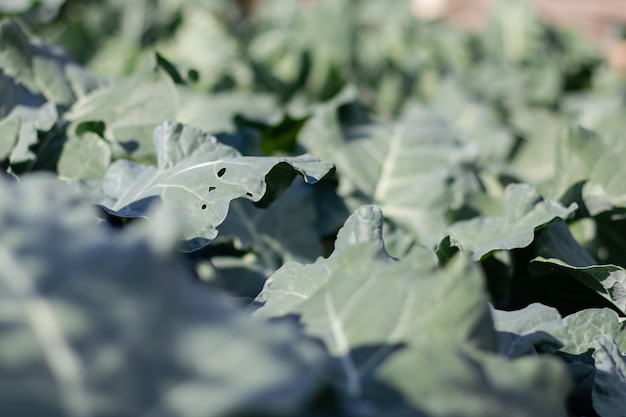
360, 297
523, 212
337, 296
110, 324
199, 177
413, 169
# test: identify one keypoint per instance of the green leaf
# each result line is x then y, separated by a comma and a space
444, 382
590, 342
593, 163
524, 211
18, 129
360, 296
46, 8
110, 324
202, 29
477, 123
42, 69
199, 177
413, 169
534, 160
514, 31
87, 156
37, 82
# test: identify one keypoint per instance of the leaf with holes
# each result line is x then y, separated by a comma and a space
199, 177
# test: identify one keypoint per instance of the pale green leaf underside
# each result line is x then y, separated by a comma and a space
198, 177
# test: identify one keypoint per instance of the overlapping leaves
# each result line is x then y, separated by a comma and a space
383, 321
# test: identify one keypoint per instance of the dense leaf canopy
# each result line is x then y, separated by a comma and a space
314, 208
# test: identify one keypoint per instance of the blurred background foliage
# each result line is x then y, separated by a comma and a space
313, 48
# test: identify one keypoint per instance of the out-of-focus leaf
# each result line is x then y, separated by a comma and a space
133, 107
533, 160
524, 211
594, 161
202, 29
44, 9
37, 81
199, 177
444, 382
413, 169
87, 156
18, 130
609, 390
476, 123
514, 31
100, 323
42, 69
